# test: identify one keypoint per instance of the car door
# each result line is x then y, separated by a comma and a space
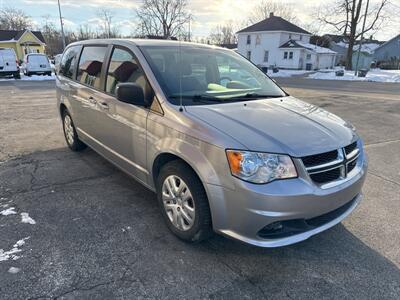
123, 125
88, 86
66, 85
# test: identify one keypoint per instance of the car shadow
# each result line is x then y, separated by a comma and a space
93, 219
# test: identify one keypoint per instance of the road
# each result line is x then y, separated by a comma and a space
98, 234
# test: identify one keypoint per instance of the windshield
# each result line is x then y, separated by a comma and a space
204, 75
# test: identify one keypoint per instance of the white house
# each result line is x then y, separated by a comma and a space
277, 42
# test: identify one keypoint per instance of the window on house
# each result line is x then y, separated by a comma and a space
285, 55
308, 56
290, 55
290, 36
258, 40
249, 55
301, 37
266, 54
248, 40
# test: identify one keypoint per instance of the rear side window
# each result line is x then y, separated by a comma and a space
124, 67
68, 62
90, 65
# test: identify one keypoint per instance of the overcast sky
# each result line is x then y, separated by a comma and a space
207, 13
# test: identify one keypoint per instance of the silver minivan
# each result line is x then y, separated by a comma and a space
223, 146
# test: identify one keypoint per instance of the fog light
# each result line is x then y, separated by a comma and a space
273, 227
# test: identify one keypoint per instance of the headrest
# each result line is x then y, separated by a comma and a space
92, 67
124, 71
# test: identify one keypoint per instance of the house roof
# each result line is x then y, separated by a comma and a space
299, 44
8, 35
336, 38
274, 23
368, 46
389, 41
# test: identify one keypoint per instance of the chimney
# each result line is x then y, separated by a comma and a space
271, 14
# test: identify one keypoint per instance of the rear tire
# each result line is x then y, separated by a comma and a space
183, 202
70, 134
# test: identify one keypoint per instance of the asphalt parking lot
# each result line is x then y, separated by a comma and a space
90, 231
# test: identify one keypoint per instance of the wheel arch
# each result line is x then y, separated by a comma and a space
187, 153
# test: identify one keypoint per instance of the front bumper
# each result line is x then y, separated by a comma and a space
244, 212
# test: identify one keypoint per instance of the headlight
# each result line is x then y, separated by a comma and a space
260, 167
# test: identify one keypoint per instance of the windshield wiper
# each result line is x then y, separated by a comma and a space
197, 98
257, 96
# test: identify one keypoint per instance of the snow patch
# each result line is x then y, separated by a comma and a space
31, 78
14, 270
25, 218
376, 75
287, 73
8, 211
315, 48
11, 254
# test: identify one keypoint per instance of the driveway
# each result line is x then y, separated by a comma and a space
73, 226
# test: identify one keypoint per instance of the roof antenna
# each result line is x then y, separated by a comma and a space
180, 64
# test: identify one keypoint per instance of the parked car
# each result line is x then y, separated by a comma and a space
8, 63
36, 64
230, 153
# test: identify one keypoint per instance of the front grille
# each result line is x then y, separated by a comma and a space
333, 165
351, 165
325, 177
350, 148
319, 159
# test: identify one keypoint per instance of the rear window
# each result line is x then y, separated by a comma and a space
90, 65
7, 53
68, 61
40, 59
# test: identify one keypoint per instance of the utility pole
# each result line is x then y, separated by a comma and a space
62, 25
362, 36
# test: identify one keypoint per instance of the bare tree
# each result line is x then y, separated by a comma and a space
14, 19
85, 32
52, 36
106, 16
162, 17
345, 16
263, 8
223, 34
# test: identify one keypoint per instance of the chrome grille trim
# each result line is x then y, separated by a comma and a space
320, 168
342, 163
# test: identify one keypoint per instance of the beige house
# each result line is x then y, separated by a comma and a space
23, 42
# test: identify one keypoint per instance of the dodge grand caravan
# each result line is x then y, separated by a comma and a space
222, 145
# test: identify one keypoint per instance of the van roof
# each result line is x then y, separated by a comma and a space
142, 42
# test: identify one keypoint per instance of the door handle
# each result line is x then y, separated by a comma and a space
92, 100
104, 105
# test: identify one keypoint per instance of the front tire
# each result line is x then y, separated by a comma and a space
70, 134
183, 202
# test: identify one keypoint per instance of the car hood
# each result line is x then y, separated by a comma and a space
278, 125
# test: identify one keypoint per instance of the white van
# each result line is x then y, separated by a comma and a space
36, 63
8, 63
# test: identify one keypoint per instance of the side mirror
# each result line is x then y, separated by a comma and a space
130, 93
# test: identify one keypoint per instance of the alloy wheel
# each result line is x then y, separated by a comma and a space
178, 202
